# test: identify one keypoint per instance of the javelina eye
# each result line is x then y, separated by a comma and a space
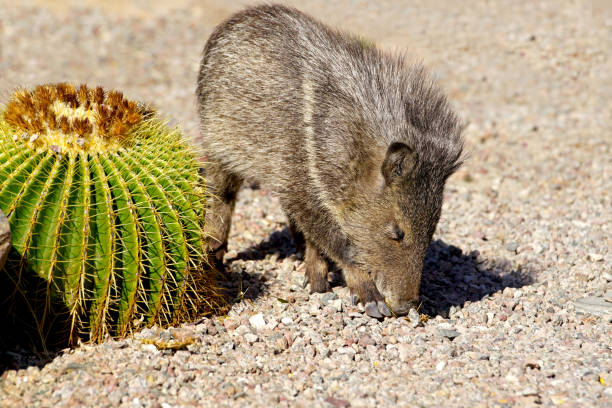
394, 232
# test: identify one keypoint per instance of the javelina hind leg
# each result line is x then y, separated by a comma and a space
219, 208
316, 269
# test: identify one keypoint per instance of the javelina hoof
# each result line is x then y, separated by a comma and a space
377, 309
318, 287
383, 308
371, 309
215, 257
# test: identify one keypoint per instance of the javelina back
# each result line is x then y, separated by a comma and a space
356, 142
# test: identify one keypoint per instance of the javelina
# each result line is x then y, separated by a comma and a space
356, 142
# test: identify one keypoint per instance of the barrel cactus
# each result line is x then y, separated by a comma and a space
106, 206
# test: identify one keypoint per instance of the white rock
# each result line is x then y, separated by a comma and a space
242, 330
149, 347
314, 309
372, 351
529, 391
440, 366
404, 352
272, 324
287, 321
251, 337
322, 350
596, 257
257, 321
347, 350
511, 378
336, 304
415, 318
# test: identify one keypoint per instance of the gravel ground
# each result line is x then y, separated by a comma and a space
525, 230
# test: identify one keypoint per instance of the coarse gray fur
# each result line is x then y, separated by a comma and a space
356, 142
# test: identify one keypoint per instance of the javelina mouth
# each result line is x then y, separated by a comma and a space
380, 309
402, 309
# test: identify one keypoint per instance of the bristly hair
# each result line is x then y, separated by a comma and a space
406, 91
428, 111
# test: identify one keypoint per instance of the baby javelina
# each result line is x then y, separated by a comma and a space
357, 143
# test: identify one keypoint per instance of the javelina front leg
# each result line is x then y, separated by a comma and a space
219, 209
316, 269
362, 288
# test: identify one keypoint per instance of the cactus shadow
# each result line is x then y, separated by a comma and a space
239, 285
15, 357
452, 278
24, 340
238, 282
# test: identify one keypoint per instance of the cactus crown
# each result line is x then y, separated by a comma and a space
62, 118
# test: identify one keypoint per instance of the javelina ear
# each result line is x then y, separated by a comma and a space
399, 162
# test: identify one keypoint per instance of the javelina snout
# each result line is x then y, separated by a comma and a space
356, 142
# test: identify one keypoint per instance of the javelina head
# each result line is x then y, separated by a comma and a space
401, 200
400, 222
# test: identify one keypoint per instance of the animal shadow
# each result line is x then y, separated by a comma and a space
450, 276
238, 280
280, 243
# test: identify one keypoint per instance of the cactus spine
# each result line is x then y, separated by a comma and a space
106, 206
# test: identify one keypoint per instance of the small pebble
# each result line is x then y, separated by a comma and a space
257, 321
349, 351
280, 344
336, 304
326, 298
511, 246
415, 318
448, 333
404, 351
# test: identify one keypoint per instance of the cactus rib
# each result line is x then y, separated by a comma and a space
104, 240
156, 253
132, 268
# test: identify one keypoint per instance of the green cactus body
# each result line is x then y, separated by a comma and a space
106, 206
